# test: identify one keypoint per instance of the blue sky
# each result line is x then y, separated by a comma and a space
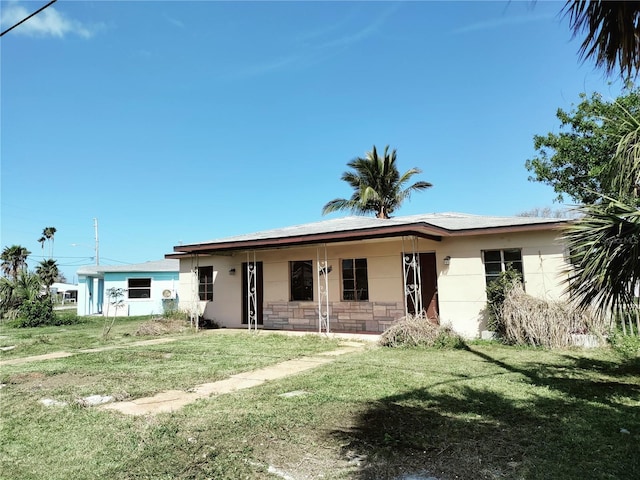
176, 122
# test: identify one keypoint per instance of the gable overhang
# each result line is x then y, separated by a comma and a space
421, 230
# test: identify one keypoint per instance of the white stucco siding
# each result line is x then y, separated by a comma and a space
544, 268
462, 285
227, 288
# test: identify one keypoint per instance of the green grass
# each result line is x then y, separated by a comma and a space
488, 412
89, 334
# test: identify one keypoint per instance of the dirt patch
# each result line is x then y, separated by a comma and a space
38, 380
26, 378
160, 326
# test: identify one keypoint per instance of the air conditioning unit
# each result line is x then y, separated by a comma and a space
168, 294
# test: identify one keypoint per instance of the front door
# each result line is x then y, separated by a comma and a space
248, 302
428, 286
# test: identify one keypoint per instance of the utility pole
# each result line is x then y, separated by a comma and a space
95, 227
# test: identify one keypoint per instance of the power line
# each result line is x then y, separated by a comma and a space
28, 17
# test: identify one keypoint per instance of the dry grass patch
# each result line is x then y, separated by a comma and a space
533, 321
160, 326
419, 331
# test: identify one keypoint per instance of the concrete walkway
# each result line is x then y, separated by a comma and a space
172, 400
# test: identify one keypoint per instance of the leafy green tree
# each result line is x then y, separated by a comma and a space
378, 187
14, 259
48, 273
611, 33
579, 161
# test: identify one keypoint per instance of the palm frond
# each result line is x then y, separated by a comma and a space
611, 33
604, 249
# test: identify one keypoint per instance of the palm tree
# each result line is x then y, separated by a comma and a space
47, 234
14, 259
604, 248
41, 241
612, 33
378, 186
28, 286
13, 293
48, 273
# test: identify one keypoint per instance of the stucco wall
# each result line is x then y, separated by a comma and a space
461, 284
141, 306
90, 295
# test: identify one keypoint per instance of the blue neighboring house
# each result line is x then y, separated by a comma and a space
148, 287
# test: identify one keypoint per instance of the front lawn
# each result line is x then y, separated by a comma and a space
488, 412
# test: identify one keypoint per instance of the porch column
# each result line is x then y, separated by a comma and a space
323, 292
252, 298
194, 310
411, 278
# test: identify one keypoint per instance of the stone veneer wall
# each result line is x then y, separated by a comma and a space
344, 316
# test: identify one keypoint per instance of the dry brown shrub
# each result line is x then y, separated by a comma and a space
418, 331
533, 321
160, 326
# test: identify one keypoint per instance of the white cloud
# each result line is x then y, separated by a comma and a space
49, 22
364, 32
173, 21
495, 23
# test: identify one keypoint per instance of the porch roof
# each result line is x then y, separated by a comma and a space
432, 226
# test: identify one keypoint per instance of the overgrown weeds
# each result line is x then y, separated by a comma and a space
418, 331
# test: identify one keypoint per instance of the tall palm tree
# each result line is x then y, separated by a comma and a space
378, 186
14, 259
612, 33
48, 273
47, 234
41, 241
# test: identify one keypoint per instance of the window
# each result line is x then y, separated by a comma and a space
498, 261
205, 283
139, 287
354, 279
301, 278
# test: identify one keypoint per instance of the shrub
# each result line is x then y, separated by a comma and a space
418, 331
36, 312
628, 346
496, 293
528, 320
67, 318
